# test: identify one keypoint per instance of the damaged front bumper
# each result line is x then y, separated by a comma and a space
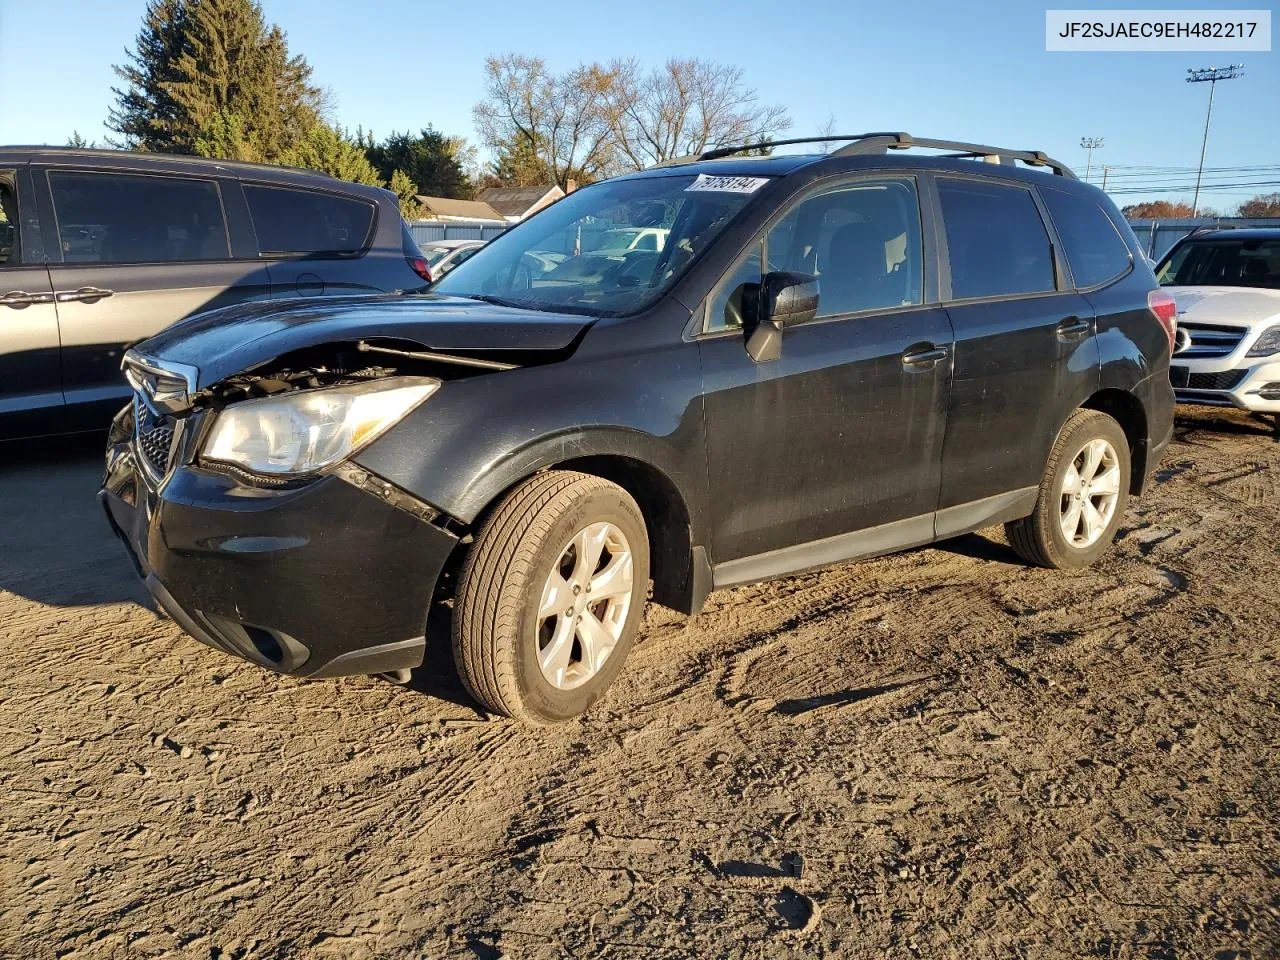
331, 577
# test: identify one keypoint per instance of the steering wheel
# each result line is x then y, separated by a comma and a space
521, 276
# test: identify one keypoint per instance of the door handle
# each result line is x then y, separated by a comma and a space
924, 357
20, 298
1073, 328
83, 295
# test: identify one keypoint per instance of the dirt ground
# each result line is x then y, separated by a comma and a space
939, 754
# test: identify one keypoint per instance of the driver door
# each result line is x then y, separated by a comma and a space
835, 448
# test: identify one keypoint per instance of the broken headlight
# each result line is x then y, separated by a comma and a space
305, 431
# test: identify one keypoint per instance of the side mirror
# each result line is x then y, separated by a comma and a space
785, 298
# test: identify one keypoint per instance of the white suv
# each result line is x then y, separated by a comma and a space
1227, 286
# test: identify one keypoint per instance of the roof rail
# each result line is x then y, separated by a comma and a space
45, 149
863, 144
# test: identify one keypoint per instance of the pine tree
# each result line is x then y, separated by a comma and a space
407, 191
431, 160
210, 77
331, 151
145, 113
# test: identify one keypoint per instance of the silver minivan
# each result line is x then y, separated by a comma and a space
102, 248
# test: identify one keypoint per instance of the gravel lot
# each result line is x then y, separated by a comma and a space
938, 754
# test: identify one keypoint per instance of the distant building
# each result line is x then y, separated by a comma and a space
449, 210
516, 203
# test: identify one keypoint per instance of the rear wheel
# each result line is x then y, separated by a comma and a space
1082, 495
551, 597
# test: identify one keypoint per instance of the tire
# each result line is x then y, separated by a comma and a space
1041, 539
501, 640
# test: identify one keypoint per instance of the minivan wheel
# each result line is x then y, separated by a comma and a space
550, 597
1082, 495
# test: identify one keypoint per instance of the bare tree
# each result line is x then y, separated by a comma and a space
828, 129
537, 117
1263, 205
684, 107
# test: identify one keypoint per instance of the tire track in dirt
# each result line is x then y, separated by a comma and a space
941, 753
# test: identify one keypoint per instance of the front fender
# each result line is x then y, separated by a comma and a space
477, 437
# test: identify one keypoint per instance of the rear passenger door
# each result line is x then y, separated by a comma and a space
133, 253
315, 242
1025, 351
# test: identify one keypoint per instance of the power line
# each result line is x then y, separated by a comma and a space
1205, 188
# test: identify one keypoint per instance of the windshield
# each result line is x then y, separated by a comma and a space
608, 249
434, 255
1223, 263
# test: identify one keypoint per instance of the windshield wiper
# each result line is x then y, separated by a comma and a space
496, 301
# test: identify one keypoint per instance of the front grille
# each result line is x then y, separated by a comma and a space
154, 434
1210, 340
1227, 380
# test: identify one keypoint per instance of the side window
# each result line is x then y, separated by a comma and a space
301, 222
465, 254
861, 240
737, 294
128, 218
648, 241
1094, 248
8, 226
996, 240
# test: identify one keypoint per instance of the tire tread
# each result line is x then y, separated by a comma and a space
487, 607
1030, 536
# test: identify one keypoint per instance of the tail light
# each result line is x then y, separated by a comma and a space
1165, 309
420, 267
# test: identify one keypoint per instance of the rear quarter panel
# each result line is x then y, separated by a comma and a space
1134, 348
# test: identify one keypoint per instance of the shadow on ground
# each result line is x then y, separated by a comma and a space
55, 545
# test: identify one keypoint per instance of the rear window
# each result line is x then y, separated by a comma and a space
1250, 262
1094, 249
303, 222
127, 218
996, 240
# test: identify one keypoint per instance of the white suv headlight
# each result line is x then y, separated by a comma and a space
306, 431
1266, 344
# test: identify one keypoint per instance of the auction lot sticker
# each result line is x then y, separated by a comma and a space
727, 184
1188, 30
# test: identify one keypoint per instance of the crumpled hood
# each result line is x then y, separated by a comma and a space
226, 341
1235, 306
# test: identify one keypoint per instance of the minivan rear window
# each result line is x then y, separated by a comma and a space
137, 218
307, 223
996, 240
1094, 249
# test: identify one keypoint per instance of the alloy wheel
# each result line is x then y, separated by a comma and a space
1090, 491
584, 605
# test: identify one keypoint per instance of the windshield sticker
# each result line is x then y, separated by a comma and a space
727, 184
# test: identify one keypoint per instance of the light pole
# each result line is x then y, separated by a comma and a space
1211, 76
1090, 144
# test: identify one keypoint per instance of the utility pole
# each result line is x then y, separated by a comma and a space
1090, 144
1211, 76
1105, 171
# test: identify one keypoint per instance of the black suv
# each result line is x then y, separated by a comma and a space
818, 358
101, 248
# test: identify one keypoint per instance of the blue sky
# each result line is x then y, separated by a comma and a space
957, 70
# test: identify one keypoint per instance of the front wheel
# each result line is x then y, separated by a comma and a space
1082, 495
551, 596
